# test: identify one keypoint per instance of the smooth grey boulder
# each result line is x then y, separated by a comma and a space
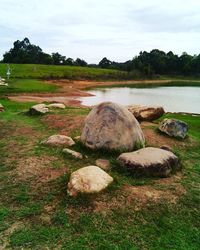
146, 113
149, 162
112, 126
91, 179
38, 109
174, 128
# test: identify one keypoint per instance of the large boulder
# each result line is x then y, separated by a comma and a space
91, 179
112, 126
149, 162
174, 128
38, 109
146, 113
59, 140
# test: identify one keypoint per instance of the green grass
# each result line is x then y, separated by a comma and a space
73, 223
38, 71
27, 86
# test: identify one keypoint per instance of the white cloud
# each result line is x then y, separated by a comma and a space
90, 29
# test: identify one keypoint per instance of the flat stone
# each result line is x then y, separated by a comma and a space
146, 113
57, 105
59, 140
112, 126
91, 179
174, 128
38, 109
103, 164
73, 153
149, 162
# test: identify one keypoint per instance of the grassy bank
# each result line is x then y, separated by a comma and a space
37, 213
37, 71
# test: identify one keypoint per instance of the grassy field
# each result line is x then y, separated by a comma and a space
36, 212
37, 71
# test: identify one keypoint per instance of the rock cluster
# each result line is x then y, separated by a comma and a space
40, 109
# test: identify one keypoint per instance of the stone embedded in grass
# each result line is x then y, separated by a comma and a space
91, 179
149, 162
146, 113
38, 109
59, 140
73, 153
1, 108
174, 128
112, 126
57, 105
103, 164
77, 138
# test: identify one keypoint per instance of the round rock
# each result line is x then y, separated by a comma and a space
112, 126
174, 128
149, 162
91, 179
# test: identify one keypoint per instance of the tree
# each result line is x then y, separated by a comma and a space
80, 62
104, 63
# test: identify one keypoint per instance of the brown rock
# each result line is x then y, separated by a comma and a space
146, 113
112, 126
149, 162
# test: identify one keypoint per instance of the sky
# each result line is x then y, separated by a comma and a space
91, 29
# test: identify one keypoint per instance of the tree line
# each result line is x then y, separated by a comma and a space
155, 62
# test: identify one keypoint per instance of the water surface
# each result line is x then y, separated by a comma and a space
173, 99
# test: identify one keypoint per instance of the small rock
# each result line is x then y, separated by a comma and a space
59, 140
38, 109
57, 105
146, 113
149, 162
103, 164
91, 179
75, 154
174, 128
166, 147
77, 138
113, 127
1, 108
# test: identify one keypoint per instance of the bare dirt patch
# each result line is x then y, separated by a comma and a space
65, 124
39, 169
137, 197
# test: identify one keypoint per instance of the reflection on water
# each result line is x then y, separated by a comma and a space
173, 99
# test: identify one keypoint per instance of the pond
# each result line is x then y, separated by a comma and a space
173, 99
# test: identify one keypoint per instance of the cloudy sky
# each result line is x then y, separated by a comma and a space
91, 29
